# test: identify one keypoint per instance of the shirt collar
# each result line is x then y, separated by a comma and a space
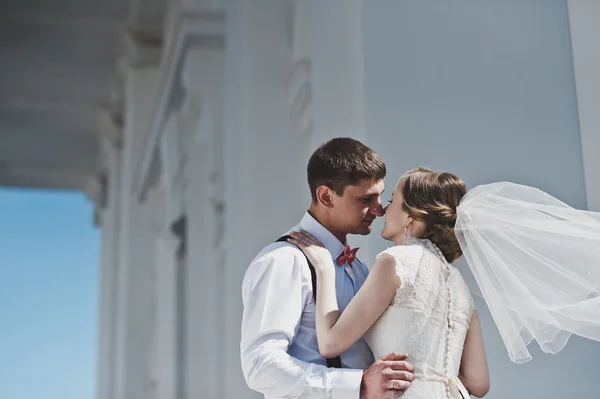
333, 245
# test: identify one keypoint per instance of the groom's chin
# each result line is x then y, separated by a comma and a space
364, 230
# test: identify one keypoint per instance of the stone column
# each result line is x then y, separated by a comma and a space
136, 237
201, 129
265, 183
166, 346
108, 281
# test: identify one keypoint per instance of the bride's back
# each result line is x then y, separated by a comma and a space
428, 318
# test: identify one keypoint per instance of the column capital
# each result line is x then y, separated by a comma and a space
143, 47
186, 29
96, 189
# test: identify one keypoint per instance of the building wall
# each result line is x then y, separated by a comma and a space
486, 91
483, 89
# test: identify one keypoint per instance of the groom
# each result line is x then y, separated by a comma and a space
279, 351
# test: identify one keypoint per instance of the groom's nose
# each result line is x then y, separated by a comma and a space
378, 210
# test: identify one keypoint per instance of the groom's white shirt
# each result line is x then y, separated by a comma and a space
279, 350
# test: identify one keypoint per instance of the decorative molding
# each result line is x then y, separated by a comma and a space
92, 190
300, 90
191, 115
143, 47
189, 27
154, 209
202, 103
109, 133
109, 127
191, 106
171, 167
116, 93
300, 96
96, 189
179, 230
138, 48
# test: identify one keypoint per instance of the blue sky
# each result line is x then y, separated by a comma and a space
49, 277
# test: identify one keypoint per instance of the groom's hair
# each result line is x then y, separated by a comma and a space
341, 162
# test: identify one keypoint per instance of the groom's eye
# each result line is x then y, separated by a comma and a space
390, 201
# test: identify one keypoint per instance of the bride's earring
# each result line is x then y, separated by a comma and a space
406, 233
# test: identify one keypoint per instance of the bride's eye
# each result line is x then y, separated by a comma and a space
390, 201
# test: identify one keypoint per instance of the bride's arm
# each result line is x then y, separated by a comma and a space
474, 372
336, 333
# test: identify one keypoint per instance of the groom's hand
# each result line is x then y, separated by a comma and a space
387, 378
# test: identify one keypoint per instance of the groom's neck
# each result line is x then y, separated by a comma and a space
322, 216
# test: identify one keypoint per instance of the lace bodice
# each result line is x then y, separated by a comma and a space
428, 319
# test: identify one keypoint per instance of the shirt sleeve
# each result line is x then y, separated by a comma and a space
274, 292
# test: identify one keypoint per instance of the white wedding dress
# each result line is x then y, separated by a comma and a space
428, 319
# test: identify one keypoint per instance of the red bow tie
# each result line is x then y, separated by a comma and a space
347, 256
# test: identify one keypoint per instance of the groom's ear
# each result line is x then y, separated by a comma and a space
325, 196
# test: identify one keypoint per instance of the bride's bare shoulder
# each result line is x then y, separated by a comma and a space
384, 271
402, 254
402, 261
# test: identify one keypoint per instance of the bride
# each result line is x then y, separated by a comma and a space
530, 255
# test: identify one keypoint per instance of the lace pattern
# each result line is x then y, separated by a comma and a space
428, 319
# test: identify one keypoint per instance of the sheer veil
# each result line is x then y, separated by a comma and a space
536, 262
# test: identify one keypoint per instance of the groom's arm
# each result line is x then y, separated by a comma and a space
274, 292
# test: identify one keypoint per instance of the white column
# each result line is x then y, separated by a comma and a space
160, 348
200, 132
132, 375
108, 282
188, 104
265, 184
328, 39
166, 360
585, 30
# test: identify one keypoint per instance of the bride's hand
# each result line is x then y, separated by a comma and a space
314, 250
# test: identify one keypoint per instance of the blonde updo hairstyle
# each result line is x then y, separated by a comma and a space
432, 197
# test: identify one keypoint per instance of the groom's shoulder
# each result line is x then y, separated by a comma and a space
281, 259
279, 252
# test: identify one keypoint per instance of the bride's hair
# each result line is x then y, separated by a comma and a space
432, 197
